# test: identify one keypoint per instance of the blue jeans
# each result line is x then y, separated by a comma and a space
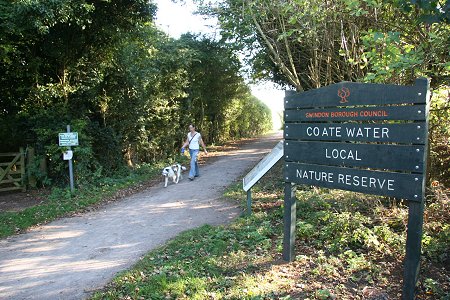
194, 164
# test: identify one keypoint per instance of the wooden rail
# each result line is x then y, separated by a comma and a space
12, 171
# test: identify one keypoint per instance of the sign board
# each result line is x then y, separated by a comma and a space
353, 93
68, 139
68, 155
374, 156
400, 185
367, 127
369, 138
263, 166
405, 133
411, 113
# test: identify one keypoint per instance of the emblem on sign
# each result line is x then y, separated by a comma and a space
343, 93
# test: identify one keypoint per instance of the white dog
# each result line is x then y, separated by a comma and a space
174, 172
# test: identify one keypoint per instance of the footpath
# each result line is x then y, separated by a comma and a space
72, 257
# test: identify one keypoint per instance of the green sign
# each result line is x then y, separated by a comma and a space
367, 138
359, 126
68, 139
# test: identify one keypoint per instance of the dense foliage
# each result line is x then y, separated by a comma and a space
307, 44
127, 88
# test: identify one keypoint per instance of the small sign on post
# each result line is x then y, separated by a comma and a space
69, 139
263, 166
68, 155
369, 138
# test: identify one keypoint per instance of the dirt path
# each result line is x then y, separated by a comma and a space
70, 258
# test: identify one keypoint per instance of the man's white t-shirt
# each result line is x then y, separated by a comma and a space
194, 144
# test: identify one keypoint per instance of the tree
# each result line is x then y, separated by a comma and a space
214, 81
143, 94
294, 43
41, 55
307, 44
104, 68
54, 54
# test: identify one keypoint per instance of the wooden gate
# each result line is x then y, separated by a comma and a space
12, 171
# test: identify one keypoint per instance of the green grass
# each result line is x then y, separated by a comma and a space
344, 242
202, 263
61, 202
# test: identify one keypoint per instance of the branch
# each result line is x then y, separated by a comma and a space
276, 57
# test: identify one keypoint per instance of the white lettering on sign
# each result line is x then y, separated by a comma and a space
326, 131
342, 154
336, 131
347, 179
315, 175
366, 182
375, 132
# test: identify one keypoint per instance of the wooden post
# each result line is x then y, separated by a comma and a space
413, 249
416, 211
249, 202
290, 217
30, 161
22, 169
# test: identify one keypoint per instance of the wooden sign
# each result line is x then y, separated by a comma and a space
374, 156
406, 133
354, 93
368, 138
390, 184
411, 113
364, 126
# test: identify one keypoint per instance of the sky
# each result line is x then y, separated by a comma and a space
176, 19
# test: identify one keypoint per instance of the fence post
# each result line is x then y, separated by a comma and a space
30, 161
22, 169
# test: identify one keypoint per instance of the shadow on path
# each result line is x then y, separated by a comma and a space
71, 257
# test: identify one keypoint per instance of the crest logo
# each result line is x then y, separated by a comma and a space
343, 93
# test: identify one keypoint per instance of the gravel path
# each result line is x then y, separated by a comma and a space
72, 257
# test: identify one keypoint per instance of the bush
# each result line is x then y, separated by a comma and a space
46, 125
439, 131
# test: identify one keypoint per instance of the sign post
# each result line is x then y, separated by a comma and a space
68, 139
369, 138
259, 170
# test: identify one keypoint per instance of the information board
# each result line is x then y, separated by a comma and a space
263, 166
362, 127
368, 138
68, 139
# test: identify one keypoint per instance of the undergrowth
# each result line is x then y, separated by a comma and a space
62, 202
348, 245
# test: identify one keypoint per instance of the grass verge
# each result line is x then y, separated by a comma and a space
61, 202
348, 246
